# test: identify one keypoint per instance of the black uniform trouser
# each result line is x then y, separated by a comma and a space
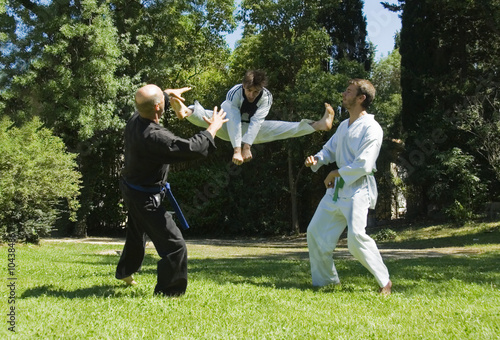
147, 216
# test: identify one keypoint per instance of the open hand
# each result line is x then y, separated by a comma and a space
216, 121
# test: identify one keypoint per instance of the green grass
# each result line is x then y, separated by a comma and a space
260, 289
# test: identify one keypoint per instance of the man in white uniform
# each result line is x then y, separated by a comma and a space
247, 105
350, 191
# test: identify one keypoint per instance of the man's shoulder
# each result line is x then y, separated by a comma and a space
267, 97
372, 121
235, 92
373, 127
266, 93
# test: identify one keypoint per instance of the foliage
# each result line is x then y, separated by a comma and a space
77, 64
293, 45
346, 26
62, 70
173, 43
446, 70
36, 173
386, 77
458, 187
385, 234
481, 119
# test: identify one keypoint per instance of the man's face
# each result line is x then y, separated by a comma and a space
350, 96
252, 92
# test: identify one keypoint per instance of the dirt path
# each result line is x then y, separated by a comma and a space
287, 247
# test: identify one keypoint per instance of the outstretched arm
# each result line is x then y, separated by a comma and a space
216, 121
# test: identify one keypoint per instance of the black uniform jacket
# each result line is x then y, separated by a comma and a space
150, 148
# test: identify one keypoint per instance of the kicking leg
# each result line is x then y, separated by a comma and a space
181, 111
325, 123
272, 130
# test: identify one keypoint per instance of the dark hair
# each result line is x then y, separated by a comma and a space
255, 78
365, 87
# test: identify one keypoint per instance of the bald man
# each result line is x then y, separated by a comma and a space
149, 149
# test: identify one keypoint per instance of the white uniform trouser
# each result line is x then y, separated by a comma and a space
323, 233
270, 130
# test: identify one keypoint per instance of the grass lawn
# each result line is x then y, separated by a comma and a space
260, 289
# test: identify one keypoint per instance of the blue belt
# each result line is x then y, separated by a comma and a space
173, 201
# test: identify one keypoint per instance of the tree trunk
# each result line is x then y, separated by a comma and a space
80, 229
293, 193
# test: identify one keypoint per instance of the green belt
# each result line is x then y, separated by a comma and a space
340, 184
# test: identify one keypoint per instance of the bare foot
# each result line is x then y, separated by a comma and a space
325, 124
386, 290
246, 153
181, 111
237, 157
129, 280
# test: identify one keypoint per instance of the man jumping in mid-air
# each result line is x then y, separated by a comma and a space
247, 105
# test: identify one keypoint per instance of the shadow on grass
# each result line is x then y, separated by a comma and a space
295, 274
409, 275
277, 242
483, 236
99, 291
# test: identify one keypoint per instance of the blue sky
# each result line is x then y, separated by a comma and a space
381, 27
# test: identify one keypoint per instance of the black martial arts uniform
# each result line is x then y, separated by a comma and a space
149, 149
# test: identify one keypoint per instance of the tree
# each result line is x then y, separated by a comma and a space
61, 68
286, 38
447, 70
346, 25
36, 173
386, 77
77, 64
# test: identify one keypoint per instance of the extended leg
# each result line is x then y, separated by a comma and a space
272, 130
194, 114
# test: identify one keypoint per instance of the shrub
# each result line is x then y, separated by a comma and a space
385, 235
36, 175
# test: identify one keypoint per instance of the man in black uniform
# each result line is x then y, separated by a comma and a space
149, 149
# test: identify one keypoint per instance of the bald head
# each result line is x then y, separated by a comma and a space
150, 102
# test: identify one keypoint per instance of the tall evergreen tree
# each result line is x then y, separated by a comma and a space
346, 25
447, 71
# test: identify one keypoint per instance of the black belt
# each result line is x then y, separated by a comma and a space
157, 190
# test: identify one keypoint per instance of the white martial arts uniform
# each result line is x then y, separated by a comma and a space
250, 128
355, 149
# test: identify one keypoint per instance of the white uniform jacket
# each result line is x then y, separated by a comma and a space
232, 106
355, 149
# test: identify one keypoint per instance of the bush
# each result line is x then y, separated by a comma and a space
385, 235
36, 174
